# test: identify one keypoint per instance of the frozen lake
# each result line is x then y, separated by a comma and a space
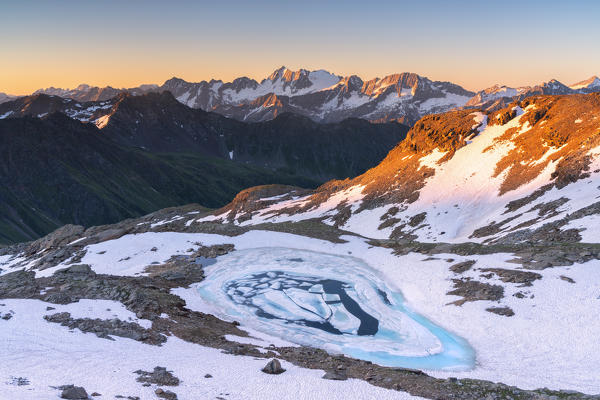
337, 303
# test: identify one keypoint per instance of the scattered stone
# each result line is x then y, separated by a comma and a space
335, 375
73, 392
18, 381
208, 376
566, 278
7, 316
50, 308
95, 394
273, 367
165, 394
505, 311
160, 376
154, 249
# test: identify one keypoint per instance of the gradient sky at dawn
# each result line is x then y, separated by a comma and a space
129, 42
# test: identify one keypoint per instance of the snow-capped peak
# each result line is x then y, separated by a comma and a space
591, 83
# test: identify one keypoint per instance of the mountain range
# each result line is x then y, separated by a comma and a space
149, 151
156, 122
327, 97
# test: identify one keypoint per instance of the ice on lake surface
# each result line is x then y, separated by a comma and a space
337, 303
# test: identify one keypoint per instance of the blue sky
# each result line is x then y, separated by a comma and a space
125, 43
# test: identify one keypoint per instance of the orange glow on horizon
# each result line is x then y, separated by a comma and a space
18, 79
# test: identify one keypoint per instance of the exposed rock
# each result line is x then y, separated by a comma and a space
273, 367
506, 311
165, 394
461, 267
104, 328
160, 376
566, 278
514, 276
73, 392
335, 375
474, 290
415, 220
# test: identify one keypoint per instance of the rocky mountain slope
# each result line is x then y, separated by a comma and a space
291, 144
526, 172
57, 170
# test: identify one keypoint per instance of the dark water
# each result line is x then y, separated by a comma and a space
369, 325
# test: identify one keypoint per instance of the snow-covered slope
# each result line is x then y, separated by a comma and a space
529, 171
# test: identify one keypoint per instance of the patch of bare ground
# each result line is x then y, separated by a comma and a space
471, 290
524, 278
461, 267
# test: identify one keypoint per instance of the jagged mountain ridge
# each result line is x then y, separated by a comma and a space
498, 96
158, 123
326, 97
321, 96
85, 93
528, 172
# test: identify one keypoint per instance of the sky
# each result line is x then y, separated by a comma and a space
125, 43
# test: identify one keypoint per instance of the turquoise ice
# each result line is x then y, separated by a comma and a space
288, 293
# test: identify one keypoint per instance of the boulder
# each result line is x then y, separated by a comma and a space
73, 392
273, 367
338, 375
